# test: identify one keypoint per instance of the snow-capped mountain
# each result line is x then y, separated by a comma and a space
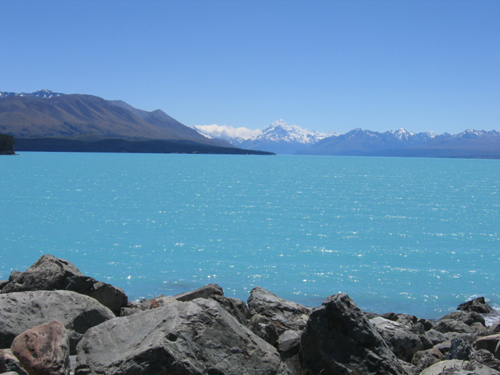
360, 142
44, 94
470, 143
280, 131
279, 137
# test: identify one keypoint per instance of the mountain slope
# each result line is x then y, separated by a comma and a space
86, 117
163, 121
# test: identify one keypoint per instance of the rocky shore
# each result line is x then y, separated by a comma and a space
55, 320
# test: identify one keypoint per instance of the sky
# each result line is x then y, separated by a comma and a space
322, 65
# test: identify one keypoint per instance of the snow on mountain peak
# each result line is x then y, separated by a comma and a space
44, 94
278, 131
281, 131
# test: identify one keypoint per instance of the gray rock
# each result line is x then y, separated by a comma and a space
108, 295
426, 323
197, 337
478, 305
408, 368
47, 273
51, 273
486, 358
289, 343
441, 367
477, 368
339, 339
22, 311
403, 343
3, 283
43, 350
134, 307
263, 327
426, 358
494, 328
284, 314
404, 319
454, 326
444, 347
460, 349
289, 346
237, 308
14, 275
480, 329
10, 363
203, 292
436, 337
467, 317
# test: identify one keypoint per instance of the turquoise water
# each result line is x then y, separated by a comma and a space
406, 235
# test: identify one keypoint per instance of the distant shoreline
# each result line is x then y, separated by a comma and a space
115, 145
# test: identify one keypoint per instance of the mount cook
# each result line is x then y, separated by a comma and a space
282, 138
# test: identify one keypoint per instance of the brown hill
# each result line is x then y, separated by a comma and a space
88, 117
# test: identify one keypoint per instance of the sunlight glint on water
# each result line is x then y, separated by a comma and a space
407, 235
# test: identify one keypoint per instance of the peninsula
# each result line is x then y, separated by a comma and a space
7, 144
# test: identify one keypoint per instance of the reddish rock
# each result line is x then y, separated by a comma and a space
488, 342
43, 350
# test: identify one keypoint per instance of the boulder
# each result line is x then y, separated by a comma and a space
436, 337
284, 314
487, 342
289, 346
426, 358
454, 326
197, 337
404, 319
467, 317
478, 305
426, 323
289, 343
485, 357
339, 339
403, 343
10, 363
3, 283
441, 367
263, 327
494, 328
108, 295
47, 273
22, 311
51, 273
43, 350
460, 349
237, 308
203, 292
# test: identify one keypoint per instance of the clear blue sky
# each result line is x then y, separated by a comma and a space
322, 65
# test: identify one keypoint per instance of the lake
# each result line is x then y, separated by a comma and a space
410, 235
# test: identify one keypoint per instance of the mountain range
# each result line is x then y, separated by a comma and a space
49, 121
282, 138
279, 137
77, 120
